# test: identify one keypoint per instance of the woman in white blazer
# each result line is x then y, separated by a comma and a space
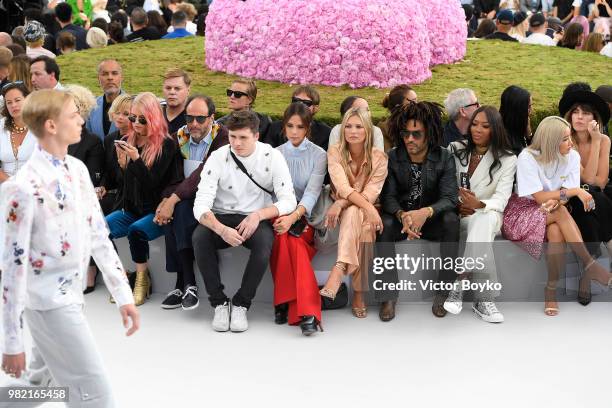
485, 166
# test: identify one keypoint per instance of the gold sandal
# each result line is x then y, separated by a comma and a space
550, 311
331, 294
360, 312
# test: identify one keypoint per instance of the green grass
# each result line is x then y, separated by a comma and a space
488, 68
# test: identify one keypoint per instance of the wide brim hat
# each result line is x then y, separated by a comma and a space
588, 98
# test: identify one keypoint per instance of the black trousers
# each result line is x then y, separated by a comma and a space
443, 228
206, 243
179, 248
595, 226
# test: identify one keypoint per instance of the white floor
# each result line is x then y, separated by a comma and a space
416, 360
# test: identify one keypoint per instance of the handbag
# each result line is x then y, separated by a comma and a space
324, 238
340, 301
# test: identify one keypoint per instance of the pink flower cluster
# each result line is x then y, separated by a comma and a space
379, 43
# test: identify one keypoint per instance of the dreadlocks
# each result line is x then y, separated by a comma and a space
428, 113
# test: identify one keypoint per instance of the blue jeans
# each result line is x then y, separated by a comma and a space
139, 232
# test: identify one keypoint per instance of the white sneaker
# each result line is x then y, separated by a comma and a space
454, 302
239, 322
221, 321
488, 312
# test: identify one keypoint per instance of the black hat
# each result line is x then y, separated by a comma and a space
505, 16
605, 91
588, 98
519, 17
537, 20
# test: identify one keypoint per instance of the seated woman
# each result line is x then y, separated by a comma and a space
573, 37
295, 285
515, 109
241, 95
587, 113
485, 168
398, 96
119, 113
356, 102
16, 141
89, 150
358, 171
548, 174
146, 163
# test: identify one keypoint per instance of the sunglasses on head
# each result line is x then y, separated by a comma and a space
416, 134
199, 118
11, 84
141, 119
236, 94
306, 102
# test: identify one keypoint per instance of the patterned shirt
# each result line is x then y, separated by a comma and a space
195, 151
51, 225
414, 198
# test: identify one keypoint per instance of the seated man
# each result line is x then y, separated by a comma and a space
319, 131
419, 196
231, 206
197, 140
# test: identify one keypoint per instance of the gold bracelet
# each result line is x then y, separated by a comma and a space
431, 212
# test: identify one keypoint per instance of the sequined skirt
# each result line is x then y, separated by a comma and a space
525, 225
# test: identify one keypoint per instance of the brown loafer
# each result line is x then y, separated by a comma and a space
438, 305
387, 310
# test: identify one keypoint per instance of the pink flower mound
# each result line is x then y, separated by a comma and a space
447, 30
379, 43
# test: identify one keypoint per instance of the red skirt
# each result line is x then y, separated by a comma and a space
295, 282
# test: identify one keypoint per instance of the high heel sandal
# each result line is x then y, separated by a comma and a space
310, 325
331, 294
359, 312
583, 299
142, 289
550, 311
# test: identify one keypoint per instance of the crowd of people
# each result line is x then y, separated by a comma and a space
574, 24
286, 188
62, 27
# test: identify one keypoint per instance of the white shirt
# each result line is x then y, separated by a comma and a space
532, 177
51, 225
8, 164
379, 141
607, 50
225, 189
539, 39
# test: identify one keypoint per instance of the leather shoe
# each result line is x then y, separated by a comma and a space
438, 305
387, 310
309, 325
280, 313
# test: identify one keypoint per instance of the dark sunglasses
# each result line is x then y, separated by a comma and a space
416, 134
476, 104
304, 101
141, 119
237, 94
11, 84
200, 118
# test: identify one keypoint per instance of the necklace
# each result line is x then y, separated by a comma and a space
554, 172
19, 129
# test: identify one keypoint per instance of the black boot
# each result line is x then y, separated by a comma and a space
280, 313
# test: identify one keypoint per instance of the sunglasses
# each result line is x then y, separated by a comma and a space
199, 118
304, 101
236, 94
476, 104
416, 134
11, 84
141, 119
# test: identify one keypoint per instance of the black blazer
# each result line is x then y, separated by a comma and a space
438, 180
90, 151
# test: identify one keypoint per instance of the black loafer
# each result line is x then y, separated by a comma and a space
309, 325
280, 313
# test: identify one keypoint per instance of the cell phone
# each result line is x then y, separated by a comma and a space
297, 228
120, 143
464, 180
559, 29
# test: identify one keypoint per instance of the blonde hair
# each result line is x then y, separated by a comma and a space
548, 136
594, 42
366, 121
177, 73
96, 38
41, 106
251, 88
189, 9
120, 101
83, 99
20, 70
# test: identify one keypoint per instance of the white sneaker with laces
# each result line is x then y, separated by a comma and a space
488, 312
221, 321
239, 322
454, 302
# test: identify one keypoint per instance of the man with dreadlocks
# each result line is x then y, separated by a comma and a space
419, 196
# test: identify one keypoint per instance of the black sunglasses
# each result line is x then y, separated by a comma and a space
417, 134
237, 94
199, 118
141, 119
476, 104
11, 84
304, 101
